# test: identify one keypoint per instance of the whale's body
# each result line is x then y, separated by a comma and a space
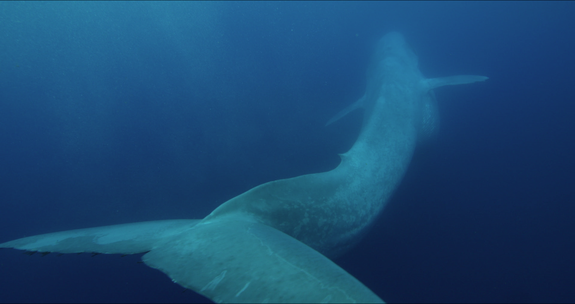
273, 242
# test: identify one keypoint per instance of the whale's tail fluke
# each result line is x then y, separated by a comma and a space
234, 261
247, 262
122, 239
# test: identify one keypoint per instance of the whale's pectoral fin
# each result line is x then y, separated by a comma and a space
125, 238
233, 260
433, 83
356, 105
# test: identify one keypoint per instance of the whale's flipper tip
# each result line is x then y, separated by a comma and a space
356, 105
433, 83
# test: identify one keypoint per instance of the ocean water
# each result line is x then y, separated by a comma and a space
116, 112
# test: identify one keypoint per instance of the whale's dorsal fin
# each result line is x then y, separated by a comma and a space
356, 105
432, 83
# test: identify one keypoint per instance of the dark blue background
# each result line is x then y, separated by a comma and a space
121, 112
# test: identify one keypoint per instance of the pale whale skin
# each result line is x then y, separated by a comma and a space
272, 243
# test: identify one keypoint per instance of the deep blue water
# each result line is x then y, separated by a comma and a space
121, 112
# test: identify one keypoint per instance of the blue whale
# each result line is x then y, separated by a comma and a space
274, 242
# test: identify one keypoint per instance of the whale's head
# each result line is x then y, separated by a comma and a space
392, 40
393, 45
395, 63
